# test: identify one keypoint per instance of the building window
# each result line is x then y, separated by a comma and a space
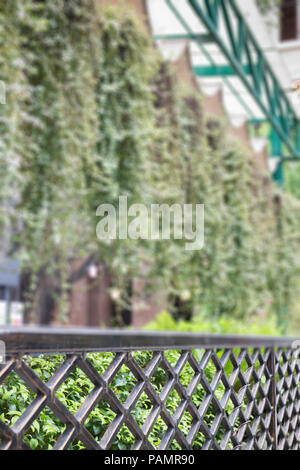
289, 24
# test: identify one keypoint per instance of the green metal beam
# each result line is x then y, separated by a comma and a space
204, 38
278, 175
276, 107
261, 83
209, 58
217, 70
248, 69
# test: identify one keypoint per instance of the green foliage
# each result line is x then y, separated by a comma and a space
75, 132
292, 178
12, 113
247, 266
256, 325
92, 113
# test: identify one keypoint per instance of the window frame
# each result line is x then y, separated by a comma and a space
297, 26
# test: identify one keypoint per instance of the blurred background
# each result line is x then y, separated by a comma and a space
142, 98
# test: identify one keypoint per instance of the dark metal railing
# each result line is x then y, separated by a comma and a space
168, 390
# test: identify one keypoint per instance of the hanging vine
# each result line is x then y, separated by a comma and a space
93, 113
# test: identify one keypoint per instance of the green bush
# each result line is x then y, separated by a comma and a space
93, 113
263, 324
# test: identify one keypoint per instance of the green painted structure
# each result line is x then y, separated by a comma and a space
246, 60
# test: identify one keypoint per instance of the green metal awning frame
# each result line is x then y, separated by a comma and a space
246, 60
217, 70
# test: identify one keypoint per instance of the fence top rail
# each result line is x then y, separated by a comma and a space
38, 340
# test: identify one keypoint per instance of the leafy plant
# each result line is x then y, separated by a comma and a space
257, 325
93, 113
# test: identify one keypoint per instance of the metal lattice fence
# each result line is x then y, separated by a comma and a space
159, 391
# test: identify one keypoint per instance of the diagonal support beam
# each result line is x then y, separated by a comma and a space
204, 38
217, 70
261, 83
206, 54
